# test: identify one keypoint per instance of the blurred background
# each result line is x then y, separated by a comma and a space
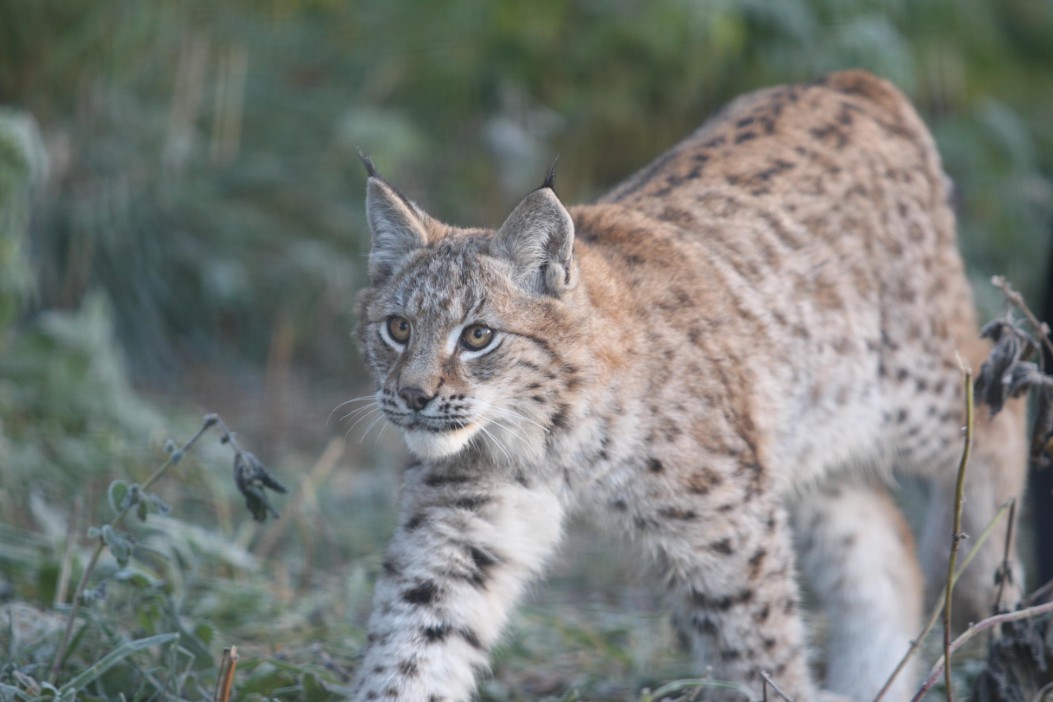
182, 231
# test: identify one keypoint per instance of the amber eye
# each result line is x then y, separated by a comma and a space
477, 336
399, 329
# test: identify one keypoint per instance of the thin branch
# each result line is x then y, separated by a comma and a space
972, 631
1017, 300
67, 556
768, 682
226, 674
1005, 573
1039, 593
956, 534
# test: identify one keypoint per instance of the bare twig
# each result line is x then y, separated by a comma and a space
972, 631
768, 682
67, 557
956, 535
1005, 573
1039, 593
1043, 693
1017, 300
226, 674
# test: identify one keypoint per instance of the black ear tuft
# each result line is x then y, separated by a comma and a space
550, 177
371, 169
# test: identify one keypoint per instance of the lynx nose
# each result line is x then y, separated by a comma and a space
415, 398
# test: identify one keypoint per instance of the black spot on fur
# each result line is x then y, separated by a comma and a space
706, 626
721, 604
390, 569
471, 637
434, 634
408, 668
723, 547
471, 502
436, 479
559, 419
481, 558
654, 465
415, 521
756, 560
684, 515
423, 594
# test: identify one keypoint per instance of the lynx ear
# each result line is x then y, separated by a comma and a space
538, 238
397, 226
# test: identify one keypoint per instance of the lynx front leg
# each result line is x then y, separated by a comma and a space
464, 549
732, 580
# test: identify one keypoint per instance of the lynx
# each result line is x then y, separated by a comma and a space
725, 360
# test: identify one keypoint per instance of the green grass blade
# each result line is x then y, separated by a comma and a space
113, 657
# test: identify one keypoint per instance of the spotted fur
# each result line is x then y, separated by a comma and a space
724, 357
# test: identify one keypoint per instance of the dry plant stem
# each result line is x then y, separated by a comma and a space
1006, 573
1017, 300
768, 682
972, 631
938, 608
67, 556
100, 545
956, 535
1041, 694
1039, 593
226, 674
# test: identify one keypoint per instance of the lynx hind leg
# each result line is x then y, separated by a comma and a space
857, 555
995, 474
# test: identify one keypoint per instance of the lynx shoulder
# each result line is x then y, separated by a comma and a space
721, 360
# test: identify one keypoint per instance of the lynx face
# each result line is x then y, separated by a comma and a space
452, 328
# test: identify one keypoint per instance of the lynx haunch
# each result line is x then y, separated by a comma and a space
722, 360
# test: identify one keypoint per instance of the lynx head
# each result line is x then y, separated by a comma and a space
463, 329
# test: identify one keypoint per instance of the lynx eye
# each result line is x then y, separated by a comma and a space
477, 337
398, 329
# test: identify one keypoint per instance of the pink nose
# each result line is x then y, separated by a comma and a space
415, 398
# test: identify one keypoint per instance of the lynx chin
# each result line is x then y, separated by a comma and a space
725, 360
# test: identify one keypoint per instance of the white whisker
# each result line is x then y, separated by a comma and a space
495, 441
357, 411
505, 424
364, 416
371, 425
348, 402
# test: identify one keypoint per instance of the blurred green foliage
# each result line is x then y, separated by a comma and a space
203, 154
179, 189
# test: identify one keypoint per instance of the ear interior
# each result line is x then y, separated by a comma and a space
538, 239
397, 227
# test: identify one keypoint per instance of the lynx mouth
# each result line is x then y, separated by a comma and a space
429, 441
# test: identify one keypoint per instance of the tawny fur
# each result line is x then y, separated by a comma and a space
756, 330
